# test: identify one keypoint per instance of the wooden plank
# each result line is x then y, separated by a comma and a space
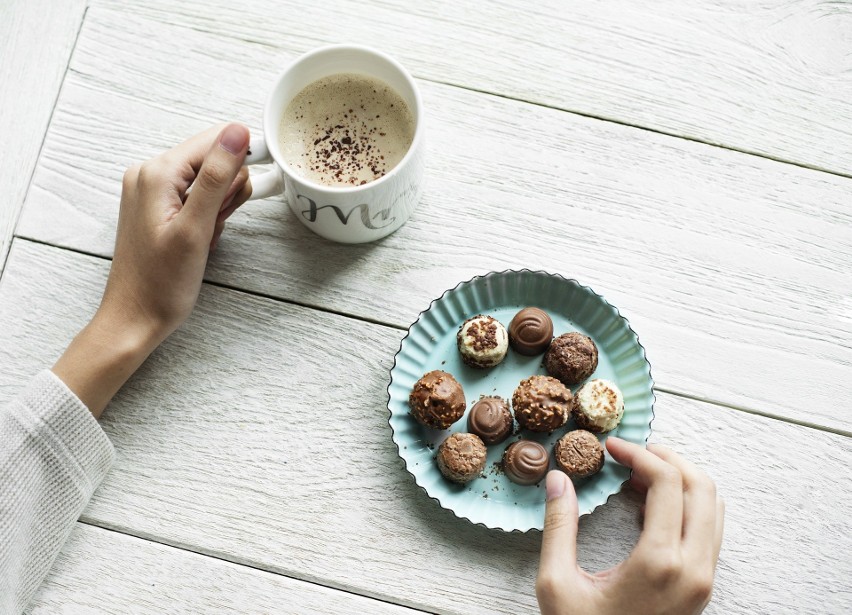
156, 578
36, 40
732, 268
256, 435
770, 77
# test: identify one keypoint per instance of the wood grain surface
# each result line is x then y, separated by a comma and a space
155, 578
732, 268
31, 72
773, 77
258, 434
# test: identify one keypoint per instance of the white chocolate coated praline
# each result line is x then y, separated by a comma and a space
598, 406
482, 341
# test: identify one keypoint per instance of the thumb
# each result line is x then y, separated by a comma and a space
559, 541
221, 165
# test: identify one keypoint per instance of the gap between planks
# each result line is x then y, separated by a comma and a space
241, 562
5, 255
593, 116
658, 131
657, 387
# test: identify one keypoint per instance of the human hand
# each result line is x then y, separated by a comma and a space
162, 243
671, 569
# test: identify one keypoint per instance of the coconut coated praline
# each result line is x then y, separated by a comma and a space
598, 406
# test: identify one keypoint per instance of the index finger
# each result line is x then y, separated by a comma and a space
699, 503
664, 500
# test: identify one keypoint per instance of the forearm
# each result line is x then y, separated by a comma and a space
53, 455
103, 356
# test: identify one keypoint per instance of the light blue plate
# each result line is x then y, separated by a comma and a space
493, 500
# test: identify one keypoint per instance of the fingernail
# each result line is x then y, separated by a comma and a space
234, 138
555, 484
611, 440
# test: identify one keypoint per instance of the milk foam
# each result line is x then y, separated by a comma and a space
345, 130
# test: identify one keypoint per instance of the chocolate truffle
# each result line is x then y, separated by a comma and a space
437, 400
461, 457
530, 331
541, 403
579, 454
482, 341
491, 420
525, 462
598, 406
572, 357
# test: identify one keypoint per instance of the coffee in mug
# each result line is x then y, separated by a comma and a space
345, 129
343, 126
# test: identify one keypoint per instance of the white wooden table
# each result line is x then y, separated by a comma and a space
692, 161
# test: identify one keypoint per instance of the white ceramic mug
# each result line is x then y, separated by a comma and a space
355, 214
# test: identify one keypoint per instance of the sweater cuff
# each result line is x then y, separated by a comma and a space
65, 423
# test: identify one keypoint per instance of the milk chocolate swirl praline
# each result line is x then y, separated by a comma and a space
491, 420
525, 462
530, 331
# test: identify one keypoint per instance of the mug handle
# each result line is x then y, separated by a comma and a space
266, 184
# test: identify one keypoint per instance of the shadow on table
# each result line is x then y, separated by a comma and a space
269, 232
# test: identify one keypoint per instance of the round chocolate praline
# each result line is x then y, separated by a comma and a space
437, 400
530, 331
598, 406
525, 462
579, 454
571, 357
541, 403
482, 341
461, 457
491, 420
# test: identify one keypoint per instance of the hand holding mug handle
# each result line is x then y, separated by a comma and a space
266, 184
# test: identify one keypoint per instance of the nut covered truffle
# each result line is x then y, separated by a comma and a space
525, 462
437, 400
491, 420
598, 406
572, 357
461, 457
482, 341
541, 403
530, 331
579, 454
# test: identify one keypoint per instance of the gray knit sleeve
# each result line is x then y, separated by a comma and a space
53, 455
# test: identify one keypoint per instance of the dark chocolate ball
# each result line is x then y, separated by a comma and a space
572, 357
530, 331
541, 403
525, 462
491, 420
579, 454
437, 400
